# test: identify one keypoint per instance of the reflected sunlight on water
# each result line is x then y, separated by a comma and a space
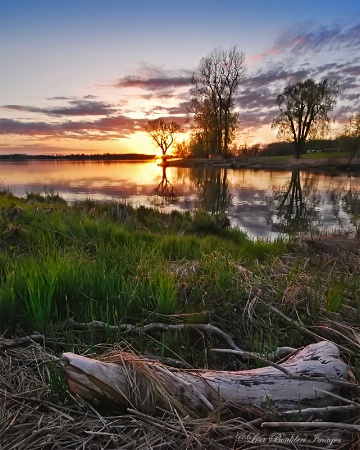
262, 203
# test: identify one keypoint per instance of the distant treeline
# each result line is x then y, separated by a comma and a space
287, 148
345, 144
81, 157
342, 143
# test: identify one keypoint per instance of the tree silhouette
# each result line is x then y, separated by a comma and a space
215, 85
163, 133
305, 111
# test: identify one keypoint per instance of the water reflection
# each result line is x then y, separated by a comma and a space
164, 192
346, 204
295, 208
352, 207
214, 194
262, 203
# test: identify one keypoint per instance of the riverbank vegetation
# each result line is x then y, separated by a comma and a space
114, 263
109, 261
62, 265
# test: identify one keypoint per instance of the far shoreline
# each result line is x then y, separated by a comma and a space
305, 163
80, 157
271, 163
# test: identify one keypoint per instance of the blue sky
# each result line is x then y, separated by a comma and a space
85, 75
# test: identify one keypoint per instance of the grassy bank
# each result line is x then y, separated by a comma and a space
110, 263
309, 162
117, 264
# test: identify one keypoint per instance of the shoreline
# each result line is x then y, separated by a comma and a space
271, 163
279, 163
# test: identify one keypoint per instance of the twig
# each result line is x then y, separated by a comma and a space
337, 332
186, 385
6, 395
320, 338
21, 342
155, 421
255, 356
338, 397
52, 406
323, 410
211, 329
344, 426
181, 423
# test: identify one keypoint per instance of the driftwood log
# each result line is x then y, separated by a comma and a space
307, 379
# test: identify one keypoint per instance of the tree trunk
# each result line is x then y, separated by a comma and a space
304, 380
299, 149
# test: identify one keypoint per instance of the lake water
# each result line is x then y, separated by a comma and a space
263, 203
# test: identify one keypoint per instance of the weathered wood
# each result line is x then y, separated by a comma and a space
305, 381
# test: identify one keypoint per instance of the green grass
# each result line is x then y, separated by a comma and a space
324, 155
47, 197
116, 264
276, 158
316, 156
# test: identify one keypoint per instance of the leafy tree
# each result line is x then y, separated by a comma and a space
252, 150
305, 109
163, 133
182, 149
213, 93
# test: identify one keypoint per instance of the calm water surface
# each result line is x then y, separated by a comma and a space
262, 203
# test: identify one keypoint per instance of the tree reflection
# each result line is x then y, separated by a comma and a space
214, 193
164, 191
345, 202
351, 201
294, 209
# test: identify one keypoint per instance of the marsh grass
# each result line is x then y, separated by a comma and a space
39, 300
112, 263
48, 196
117, 264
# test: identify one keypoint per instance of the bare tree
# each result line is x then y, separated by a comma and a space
305, 111
215, 85
163, 133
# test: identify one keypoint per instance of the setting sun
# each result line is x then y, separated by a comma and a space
58, 102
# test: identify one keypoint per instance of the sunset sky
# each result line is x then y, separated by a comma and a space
84, 76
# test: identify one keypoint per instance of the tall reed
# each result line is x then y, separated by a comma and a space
118, 264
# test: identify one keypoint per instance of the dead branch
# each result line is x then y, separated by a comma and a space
344, 426
21, 342
207, 328
306, 379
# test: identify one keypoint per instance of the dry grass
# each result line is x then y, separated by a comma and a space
36, 412
33, 417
